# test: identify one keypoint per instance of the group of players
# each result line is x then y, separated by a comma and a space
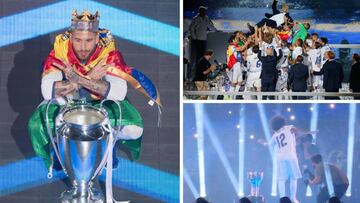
268, 51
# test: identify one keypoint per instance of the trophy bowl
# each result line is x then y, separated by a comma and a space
82, 140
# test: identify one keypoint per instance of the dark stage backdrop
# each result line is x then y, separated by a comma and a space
149, 41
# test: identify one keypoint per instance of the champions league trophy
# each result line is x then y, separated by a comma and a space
83, 142
255, 179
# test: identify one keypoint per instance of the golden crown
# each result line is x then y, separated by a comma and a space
85, 21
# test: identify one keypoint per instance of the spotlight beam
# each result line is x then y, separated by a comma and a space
199, 112
265, 125
351, 141
314, 120
190, 183
241, 151
219, 150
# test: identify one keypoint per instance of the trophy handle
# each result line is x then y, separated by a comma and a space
107, 126
49, 131
116, 128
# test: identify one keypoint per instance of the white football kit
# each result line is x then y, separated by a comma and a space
284, 141
297, 52
265, 45
253, 68
315, 61
281, 84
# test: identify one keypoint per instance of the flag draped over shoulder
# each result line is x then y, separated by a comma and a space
105, 49
63, 51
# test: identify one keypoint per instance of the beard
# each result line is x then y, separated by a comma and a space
84, 55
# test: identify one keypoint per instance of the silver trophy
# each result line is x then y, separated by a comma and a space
82, 138
255, 178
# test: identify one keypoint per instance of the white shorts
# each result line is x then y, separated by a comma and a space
253, 81
288, 168
317, 81
281, 83
236, 73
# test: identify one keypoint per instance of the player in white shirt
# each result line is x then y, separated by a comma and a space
325, 48
298, 50
283, 66
315, 58
235, 62
253, 68
264, 45
284, 143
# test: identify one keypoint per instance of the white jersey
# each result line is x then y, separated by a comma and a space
285, 143
310, 42
284, 62
278, 18
324, 49
297, 52
253, 64
265, 45
315, 59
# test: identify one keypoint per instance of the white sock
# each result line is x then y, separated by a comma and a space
293, 189
281, 185
233, 89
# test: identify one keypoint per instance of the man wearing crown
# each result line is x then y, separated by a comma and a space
85, 65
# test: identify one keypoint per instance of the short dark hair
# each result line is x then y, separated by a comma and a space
299, 59
317, 45
334, 200
324, 40
285, 200
255, 49
307, 25
208, 52
316, 158
331, 54
277, 122
232, 37
201, 200
315, 34
244, 200
356, 57
301, 41
238, 31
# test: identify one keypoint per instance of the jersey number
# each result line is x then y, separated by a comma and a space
280, 140
258, 64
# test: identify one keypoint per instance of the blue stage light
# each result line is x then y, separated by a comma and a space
124, 24
351, 142
199, 113
190, 183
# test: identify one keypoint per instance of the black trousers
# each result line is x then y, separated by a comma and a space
269, 23
268, 86
198, 48
323, 195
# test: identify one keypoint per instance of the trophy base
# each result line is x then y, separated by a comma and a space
257, 199
69, 197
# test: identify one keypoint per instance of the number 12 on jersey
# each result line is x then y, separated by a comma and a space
281, 140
